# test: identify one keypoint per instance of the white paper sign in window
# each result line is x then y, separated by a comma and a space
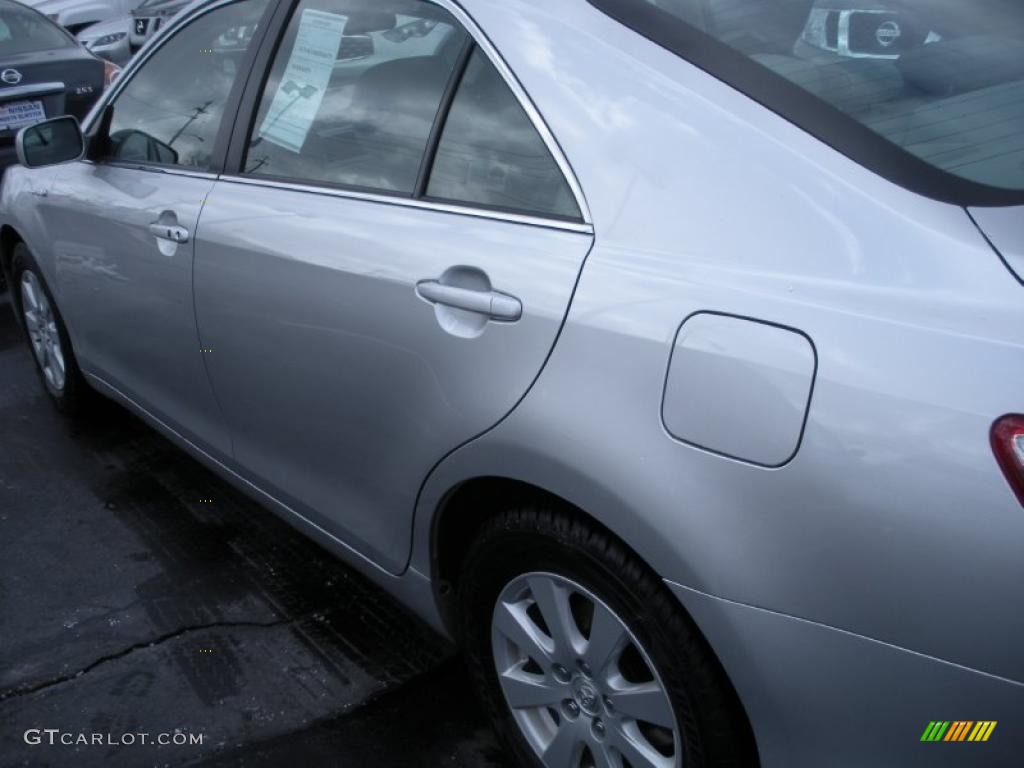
305, 80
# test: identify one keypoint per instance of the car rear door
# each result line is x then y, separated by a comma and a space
384, 273
124, 225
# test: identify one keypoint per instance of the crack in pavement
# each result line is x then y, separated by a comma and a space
26, 689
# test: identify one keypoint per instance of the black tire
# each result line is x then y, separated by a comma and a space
70, 398
540, 538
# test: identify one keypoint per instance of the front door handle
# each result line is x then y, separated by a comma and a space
173, 232
493, 304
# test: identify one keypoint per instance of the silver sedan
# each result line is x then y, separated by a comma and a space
667, 355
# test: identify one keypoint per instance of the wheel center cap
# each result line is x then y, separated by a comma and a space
586, 696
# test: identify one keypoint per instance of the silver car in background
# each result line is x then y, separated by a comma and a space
78, 15
668, 355
108, 39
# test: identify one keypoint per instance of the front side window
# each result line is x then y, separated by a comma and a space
394, 97
354, 92
942, 80
169, 113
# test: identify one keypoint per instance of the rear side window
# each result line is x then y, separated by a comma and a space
927, 92
490, 154
393, 97
24, 31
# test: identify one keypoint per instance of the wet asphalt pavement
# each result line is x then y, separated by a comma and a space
141, 594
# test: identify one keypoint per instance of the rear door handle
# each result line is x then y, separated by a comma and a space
493, 304
173, 232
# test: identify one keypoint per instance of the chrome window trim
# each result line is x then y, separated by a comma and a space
409, 202
485, 45
173, 170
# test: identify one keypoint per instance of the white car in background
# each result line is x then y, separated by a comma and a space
108, 39
148, 17
77, 15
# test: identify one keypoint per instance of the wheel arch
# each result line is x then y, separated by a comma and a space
469, 504
462, 512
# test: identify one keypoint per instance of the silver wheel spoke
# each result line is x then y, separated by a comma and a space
526, 690
512, 622
565, 749
57, 361
568, 692
607, 638
631, 745
42, 331
603, 757
644, 701
29, 291
553, 602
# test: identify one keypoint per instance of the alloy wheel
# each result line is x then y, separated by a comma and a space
41, 324
581, 688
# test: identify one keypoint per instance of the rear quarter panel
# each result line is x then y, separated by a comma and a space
893, 517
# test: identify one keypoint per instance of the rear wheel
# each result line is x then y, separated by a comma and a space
45, 332
584, 659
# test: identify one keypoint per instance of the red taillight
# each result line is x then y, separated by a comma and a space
110, 73
1008, 444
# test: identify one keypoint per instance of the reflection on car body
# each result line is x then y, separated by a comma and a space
667, 355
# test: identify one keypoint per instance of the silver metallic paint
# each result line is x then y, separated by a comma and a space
309, 304
1004, 227
130, 292
818, 696
878, 574
739, 388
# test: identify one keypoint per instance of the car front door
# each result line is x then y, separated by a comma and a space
384, 272
126, 225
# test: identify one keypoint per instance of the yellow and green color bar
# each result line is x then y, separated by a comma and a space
959, 730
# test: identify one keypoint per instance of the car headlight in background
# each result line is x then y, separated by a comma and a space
107, 39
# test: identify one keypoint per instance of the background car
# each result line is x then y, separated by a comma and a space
76, 15
149, 17
108, 39
45, 73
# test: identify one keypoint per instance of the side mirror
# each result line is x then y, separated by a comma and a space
50, 142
